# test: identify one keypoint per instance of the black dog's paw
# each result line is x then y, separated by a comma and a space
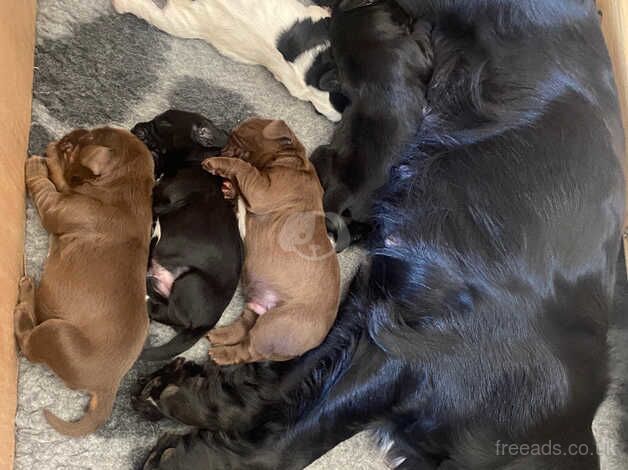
164, 451
164, 381
146, 402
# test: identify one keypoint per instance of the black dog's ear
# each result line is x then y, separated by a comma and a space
208, 136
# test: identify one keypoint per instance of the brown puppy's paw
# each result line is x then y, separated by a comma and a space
26, 290
228, 190
219, 166
210, 166
55, 171
229, 355
218, 337
36, 167
24, 314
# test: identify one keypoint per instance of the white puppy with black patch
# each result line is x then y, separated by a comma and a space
288, 38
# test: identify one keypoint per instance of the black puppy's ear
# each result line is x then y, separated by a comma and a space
208, 136
140, 130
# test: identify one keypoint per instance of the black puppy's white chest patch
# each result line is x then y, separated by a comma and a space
241, 215
156, 235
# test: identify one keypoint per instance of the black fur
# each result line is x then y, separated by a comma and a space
481, 316
199, 232
323, 73
180, 138
303, 36
385, 64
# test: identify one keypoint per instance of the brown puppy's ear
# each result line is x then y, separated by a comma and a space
97, 158
278, 130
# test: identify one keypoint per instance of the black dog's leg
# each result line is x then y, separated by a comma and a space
231, 398
209, 396
290, 430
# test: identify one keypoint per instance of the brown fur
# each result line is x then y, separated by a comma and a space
290, 266
87, 320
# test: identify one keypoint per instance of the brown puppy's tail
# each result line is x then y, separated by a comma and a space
98, 411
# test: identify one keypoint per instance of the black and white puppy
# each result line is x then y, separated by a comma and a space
287, 37
196, 256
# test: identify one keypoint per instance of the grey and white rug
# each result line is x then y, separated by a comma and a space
95, 67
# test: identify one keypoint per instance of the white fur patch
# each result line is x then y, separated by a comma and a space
385, 444
157, 231
241, 218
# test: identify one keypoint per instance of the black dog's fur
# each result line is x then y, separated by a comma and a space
481, 318
199, 232
384, 65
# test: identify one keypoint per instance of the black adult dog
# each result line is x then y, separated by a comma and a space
196, 256
476, 334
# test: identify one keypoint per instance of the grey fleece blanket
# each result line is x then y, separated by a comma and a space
94, 67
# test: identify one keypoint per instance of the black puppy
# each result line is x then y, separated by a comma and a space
384, 64
196, 256
180, 138
476, 336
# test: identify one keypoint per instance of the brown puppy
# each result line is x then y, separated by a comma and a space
87, 320
291, 275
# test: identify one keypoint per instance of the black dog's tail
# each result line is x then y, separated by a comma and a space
177, 345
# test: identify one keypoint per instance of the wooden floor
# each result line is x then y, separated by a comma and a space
17, 32
615, 25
